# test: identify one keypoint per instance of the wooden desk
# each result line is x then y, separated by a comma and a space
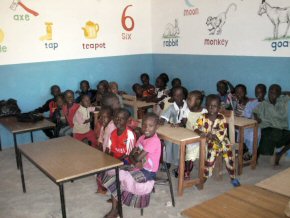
65, 159
241, 124
279, 183
15, 127
244, 201
182, 137
138, 105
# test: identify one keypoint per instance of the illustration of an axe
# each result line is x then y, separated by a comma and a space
15, 4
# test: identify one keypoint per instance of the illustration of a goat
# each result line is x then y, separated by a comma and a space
276, 15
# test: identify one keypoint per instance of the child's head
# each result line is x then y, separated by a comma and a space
222, 87
85, 101
178, 95
175, 82
241, 91
194, 99
111, 100
55, 90
84, 86
145, 78
59, 100
165, 78
274, 93
106, 115
160, 83
137, 88
113, 87
213, 103
103, 87
121, 117
260, 92
149, 124
69, 97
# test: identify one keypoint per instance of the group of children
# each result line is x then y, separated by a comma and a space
117, 133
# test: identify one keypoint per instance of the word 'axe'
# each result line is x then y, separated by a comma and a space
15, 3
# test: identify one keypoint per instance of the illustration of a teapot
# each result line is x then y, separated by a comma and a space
90, 30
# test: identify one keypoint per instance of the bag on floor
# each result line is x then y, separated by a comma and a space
30, 117
9, 108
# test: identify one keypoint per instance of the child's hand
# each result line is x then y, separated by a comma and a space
87, 121
139, 165
161, 105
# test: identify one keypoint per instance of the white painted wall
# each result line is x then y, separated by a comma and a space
21, 38
244, 30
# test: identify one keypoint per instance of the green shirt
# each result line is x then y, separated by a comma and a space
275, 116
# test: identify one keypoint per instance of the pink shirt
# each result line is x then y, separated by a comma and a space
105, 134
151, 145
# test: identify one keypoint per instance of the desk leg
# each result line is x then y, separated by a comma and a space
0, 144
202, 156
62, 200
21, 172
181, 169
255, 147
31, 136
120, 210
241, 146
16, 150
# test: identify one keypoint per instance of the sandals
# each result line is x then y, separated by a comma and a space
235, 183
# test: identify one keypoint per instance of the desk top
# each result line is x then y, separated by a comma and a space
14, 126
138, 103
65, 158
244, 122
279, 183
245, 201
177, 135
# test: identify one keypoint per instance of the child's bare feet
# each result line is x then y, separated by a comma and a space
101, 191
277, 160
112, 214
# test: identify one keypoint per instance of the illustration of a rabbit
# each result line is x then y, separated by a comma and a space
171, 30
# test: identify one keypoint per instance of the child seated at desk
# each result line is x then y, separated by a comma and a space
113, 88
161, 93
82, 118
102, 89
148, 89
175, 114
58, 118
85, 90
50, 105
212, 126
194, 101
69, 109
225, 91
245, 108
137, 180
108, 126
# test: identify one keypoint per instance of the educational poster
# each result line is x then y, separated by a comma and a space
222, 27
37, 31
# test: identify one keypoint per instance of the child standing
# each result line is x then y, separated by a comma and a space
81, 120
69, 109
212, 126
174, 114
108, 126
137, 181
194, 102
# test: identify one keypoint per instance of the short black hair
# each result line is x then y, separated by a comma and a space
212, 97
107, 98
242, 86
107, 109
68, 91
144, 74
152, 115
198, 93
85, 81
277, 87
175, 80
105, 83
262, 86
53, 87
165, 77
123, 110
134, 87
84, 96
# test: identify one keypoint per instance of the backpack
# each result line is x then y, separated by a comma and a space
9, 108
30, 117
